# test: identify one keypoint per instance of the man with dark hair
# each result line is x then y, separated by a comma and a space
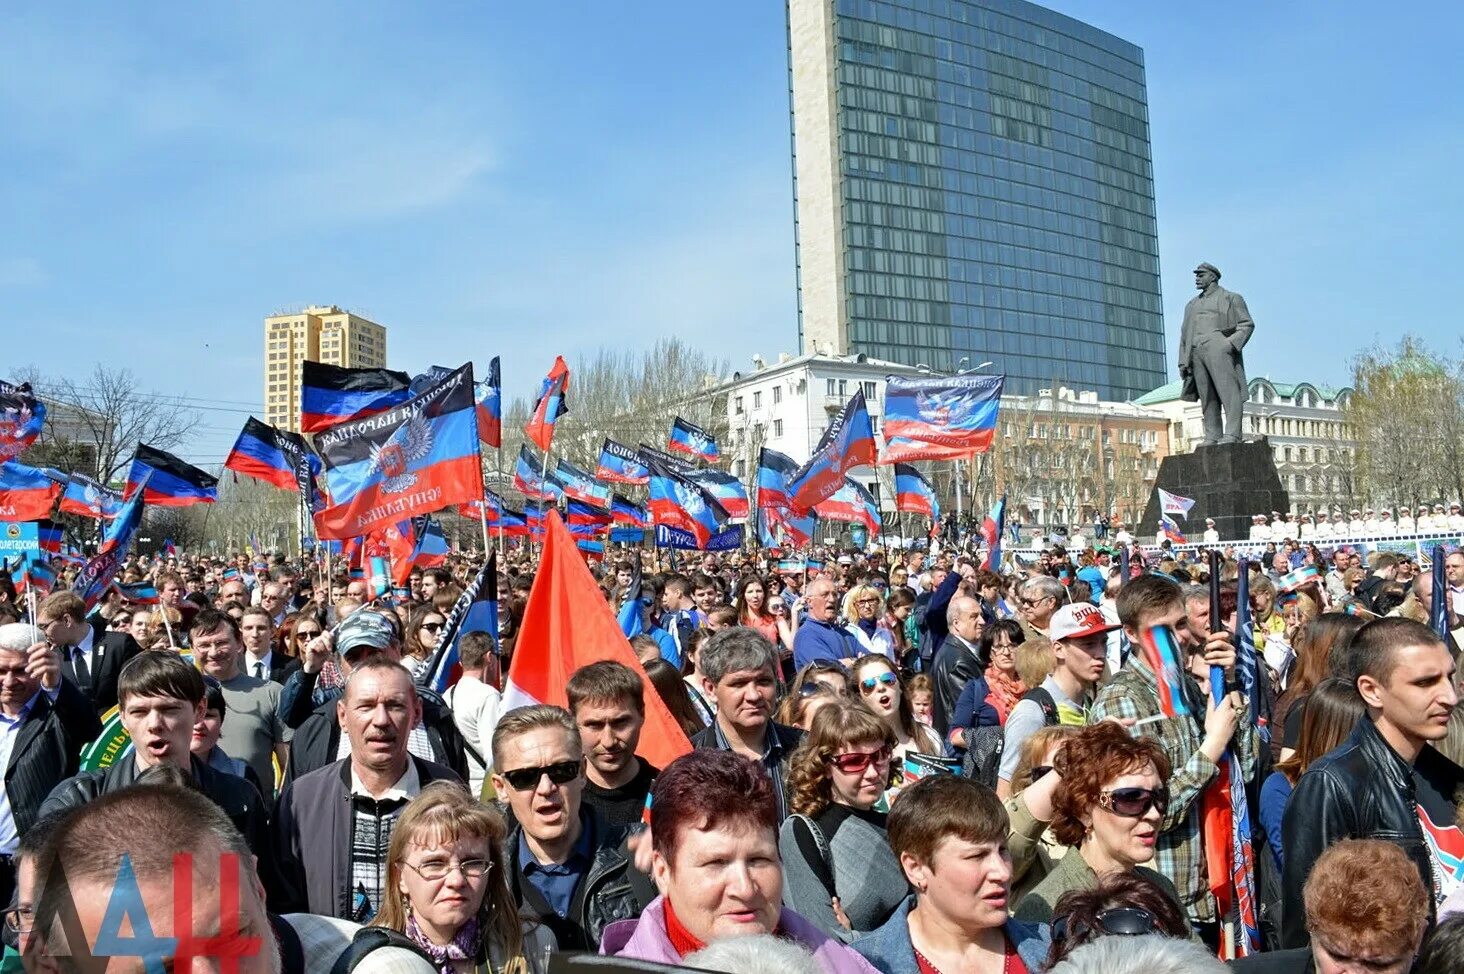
679, 615
44, 723
607, 700
75, 898
433, 581
318, 739
90, 658
706, 592
161, 698
740, 672
334, 824
1384, 568
255, 732
569, 869
1385, 781
475, 701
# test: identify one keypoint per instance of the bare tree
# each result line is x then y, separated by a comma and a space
96, 423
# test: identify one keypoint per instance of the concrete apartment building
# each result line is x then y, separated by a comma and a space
319, 333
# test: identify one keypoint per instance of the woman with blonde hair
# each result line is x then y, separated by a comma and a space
838, 869
446, 895
864, 610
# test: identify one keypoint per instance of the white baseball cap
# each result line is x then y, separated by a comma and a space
1078, 622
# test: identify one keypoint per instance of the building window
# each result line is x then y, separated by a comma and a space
757, 400
832, 388
777, 394
869, 389
778, 428
737, 406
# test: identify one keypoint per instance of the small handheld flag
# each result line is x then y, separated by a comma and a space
992, 529
552, 403
1160, 650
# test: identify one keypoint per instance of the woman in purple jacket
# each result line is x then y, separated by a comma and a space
714, 827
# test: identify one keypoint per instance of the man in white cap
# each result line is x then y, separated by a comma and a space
1276, 530
1406, 524
1259, 531
1456, 516
1289, 530
1424, 520
1354, 526
1323, 528
1440, 519
1369, 523
1307, 531
1211, 535
1386, 527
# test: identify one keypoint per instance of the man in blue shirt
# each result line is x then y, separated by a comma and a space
823, 636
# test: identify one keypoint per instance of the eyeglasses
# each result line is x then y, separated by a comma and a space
859, 763
526, 779
306, 633
19, 919
871, 601
870, 682
1039, 771
1135, 802
431, 626
438, 870
1120, 921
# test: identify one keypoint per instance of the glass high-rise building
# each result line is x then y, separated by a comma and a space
973, 181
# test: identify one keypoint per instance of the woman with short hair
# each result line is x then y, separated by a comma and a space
951, 837
715, 860
838, 870
864, 609
1108, 807
446, 895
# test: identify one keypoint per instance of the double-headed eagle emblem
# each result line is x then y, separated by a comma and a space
411, 442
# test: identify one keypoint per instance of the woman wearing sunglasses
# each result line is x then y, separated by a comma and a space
878, 687
424, 627
446, 895
950, 835
1108, 808
838, 870
864, 610
1121, 905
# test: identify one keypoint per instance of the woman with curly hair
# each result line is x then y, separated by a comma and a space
838, 869
1108, 807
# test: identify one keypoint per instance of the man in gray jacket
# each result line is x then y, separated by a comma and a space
1216, 327
334, 824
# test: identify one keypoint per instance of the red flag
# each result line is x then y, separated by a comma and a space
553, 403
568, 624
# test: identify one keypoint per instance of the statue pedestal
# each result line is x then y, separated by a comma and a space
1229, 482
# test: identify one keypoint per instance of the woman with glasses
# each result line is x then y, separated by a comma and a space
950, 835
814, 687
1108, 807
423, 629
446, 894
838, 870
1121, 905
878, 687
864, 610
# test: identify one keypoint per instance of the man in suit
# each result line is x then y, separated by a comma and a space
1216, 327
90, 658
44, 723
260, 660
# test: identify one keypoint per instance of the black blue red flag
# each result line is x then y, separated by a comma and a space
97, 574
621, 465
530, 479
679, 503
415, 458
579, 485
913, 493
22, 416
476, 610
667, 460
490, 407
270, 454
586, 519
489, 508
940, 418
511, 524
553, 402
689, 438
627, 512
171, 482
27, 493
851, 503
331, 394
727, 489
846, 444
774, 472
85, 497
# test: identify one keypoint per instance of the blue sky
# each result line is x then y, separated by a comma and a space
532, 178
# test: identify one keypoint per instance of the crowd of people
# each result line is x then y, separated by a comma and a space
901, 762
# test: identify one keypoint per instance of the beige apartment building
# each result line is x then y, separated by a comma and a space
324, 333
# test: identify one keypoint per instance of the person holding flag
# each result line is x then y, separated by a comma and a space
1166, 697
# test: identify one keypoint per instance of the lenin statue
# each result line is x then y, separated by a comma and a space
1216, 328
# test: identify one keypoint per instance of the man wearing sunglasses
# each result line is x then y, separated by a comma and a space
334, 824
1040, 598
570, 868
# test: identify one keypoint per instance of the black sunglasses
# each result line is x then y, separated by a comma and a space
1135, 802
1120, 921
526, 779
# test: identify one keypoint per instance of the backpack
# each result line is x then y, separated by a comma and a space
823, 864
368, 939
1044, 700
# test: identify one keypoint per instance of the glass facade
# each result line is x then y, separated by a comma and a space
996, 194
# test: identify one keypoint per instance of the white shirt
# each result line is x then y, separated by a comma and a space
1212, 536
1354, 527
475, 707
1406, 524
1369, 525
1259, 532
1456, 522
9, 733
405, 789
252, 664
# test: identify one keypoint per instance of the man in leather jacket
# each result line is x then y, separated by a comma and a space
1386, 781
958, 661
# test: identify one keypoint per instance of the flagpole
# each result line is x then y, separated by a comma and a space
498, 473
544, 484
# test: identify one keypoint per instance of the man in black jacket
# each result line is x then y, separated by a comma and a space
317, 743
90, 658
1386, 781
162, 697
569, 869
958, 661
44, 722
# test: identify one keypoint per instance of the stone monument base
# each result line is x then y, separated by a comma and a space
1229, 482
